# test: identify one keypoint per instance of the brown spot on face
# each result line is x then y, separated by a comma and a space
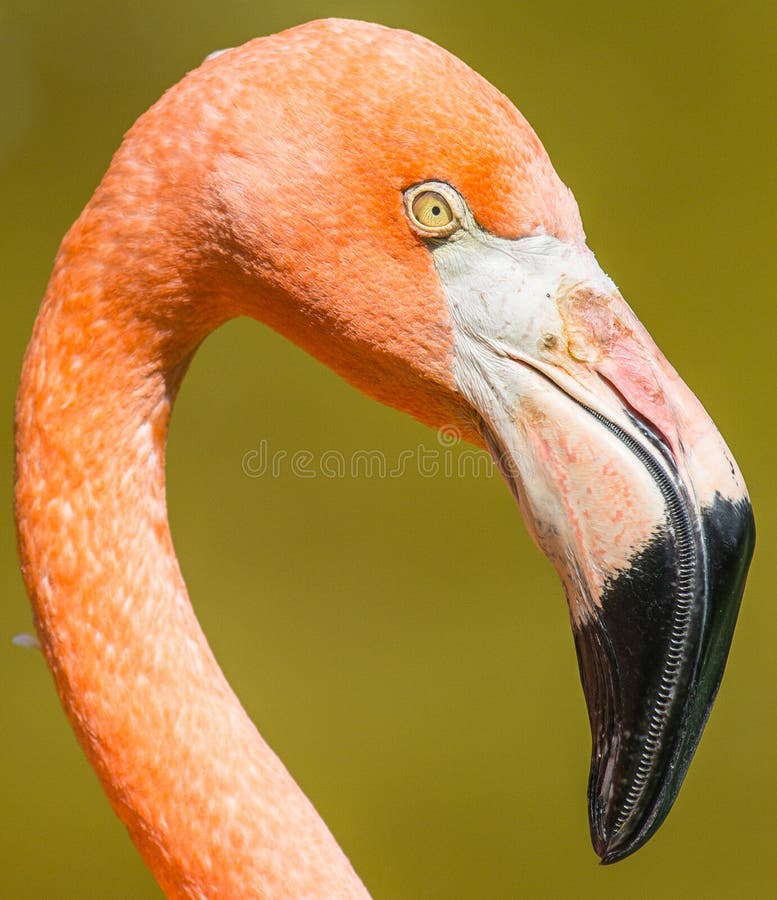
531, 416
591, 322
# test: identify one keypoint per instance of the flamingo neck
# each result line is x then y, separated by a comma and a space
208, 804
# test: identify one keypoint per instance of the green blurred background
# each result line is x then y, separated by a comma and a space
400, 642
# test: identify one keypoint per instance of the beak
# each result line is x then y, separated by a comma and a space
627, 486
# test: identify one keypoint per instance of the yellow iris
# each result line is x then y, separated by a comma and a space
431, 210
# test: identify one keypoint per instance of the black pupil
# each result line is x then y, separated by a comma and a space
436, 210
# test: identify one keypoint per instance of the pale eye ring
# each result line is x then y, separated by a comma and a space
434, 209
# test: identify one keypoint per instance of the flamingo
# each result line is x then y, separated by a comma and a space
369, 196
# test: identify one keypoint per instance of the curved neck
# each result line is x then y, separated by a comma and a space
208, 804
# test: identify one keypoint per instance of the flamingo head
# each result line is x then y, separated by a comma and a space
370, 196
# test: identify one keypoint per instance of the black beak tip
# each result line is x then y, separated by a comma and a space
626, 805
612, 846
610, 854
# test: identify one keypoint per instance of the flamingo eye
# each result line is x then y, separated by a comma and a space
431, 210
432, 213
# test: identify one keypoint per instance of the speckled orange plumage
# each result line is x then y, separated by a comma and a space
246, 190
